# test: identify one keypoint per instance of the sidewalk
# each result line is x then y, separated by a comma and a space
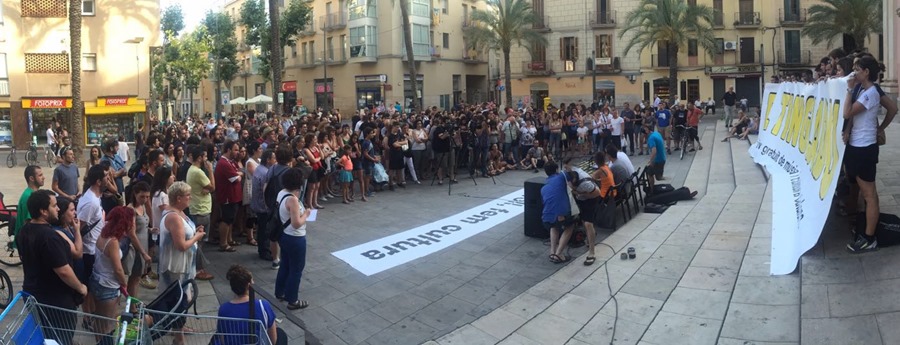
700, 276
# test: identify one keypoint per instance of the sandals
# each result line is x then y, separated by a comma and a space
228, 249
589, 260
556, 259
252, 243
298, 305
234, 243
204, 276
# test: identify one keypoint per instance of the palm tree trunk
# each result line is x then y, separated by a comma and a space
275, 51
77, 112
410, 56
673, 72
507, 78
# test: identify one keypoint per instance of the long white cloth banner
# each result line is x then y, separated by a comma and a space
800, 145
388, 252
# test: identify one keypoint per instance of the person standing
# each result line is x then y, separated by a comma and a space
557, 212
730, 98
617, 129
90, 213
202, 183
693, 121
292, 215
663, 116
47, 266
229, 193
258, 204
657, 164
34, 177
629, 117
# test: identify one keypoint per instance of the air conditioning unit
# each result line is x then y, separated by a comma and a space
730, 45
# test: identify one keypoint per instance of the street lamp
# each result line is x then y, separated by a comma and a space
137, 58
218, 88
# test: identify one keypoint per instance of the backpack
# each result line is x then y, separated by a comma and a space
273, 186
275, 226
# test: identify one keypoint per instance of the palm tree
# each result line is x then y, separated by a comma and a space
507, 22
672, 23
850, 19
75, 57
407, 39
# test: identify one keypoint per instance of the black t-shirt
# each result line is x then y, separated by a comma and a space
440, 145
42, 250
628, 114
730, 98
680, 117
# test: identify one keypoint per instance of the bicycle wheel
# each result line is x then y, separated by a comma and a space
6, 289
9, 255
31, 157
683, 145
11, 160
333, 185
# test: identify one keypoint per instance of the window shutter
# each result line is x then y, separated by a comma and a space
575, 50
562, 48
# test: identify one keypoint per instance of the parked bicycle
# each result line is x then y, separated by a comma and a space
11, 159
31, 157
9, 255
682, 138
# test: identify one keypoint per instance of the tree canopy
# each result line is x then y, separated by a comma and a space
835, 18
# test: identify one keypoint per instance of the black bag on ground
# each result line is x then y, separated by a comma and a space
660, 188
605, 218
655, 208
668, 198
887, 231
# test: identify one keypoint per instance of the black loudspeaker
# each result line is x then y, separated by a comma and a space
534, 206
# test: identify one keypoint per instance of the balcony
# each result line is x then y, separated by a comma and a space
792, 17
600, 20
659, 61
605, 66
333, 21
794, 58
4, 87
466, 22
309, 29
746, 20
363, 53
472, 56
537, 68
718, 20
541, 23
744, 57
436, 52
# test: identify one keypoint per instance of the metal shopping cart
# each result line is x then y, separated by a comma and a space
27, 322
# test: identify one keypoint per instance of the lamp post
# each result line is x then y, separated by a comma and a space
325, 69
137, 64
218, 88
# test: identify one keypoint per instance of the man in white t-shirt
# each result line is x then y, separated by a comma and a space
90, 214
619, 158
51, 137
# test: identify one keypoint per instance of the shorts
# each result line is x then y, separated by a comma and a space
666, 132
368, 167
861, 162
569, 220
345, 176
357, 164
739, 129
587, 209
315, 175
102, 293
657, 170
228, 213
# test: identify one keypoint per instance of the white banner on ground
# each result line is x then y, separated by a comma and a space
388, 252
800, 145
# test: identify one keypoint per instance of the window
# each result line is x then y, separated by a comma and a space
89, 62
312, 52
603, 47
568, 48
4, 76
446, 8
421, 40
239, 91
792, 46
303, 51
87, 7
420, 8
720, 44
330, 46
361, 9
45, 8
343, 48
662, 54
692, 47
446, 38
293, 49
363, 41
692, 2
465, 16
693, 89
539, 53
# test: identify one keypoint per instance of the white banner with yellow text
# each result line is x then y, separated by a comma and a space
800, 145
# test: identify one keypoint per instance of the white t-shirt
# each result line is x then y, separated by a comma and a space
51, 138
582, 131
865, 124
595, 121
617, 124
623, 160
159, 201
90, 211
123, 151
285, 216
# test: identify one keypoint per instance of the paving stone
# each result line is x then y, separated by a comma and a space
575, 308
774, 290
669, 328
600, 331
438, 287
493, 302
887, 325
407, 331
527, 306
443, 313
424, 271
814, 301
518, 339
385, 289
760, 246
359, 328
718, 259
468, 335
663, 268
316, 318
650, 287
552, 289
880, 267
477, 290
594, 288
762, 322
350, 306
325, 336
732, 341
705, 304
637, 309
499, 323
688, 240
675, 253
549, 329
728, 228
715, 279
841, 331
857, 298
399, 307
818, 270
755, 266
725, 242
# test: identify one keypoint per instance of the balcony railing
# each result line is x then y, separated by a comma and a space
309, 29
4, 87
659, 61
603, 19
537, 68
743, 58
792, 17
794, 58
436, 51
746, 19
466, 22
718, 20
541, 23
333, 21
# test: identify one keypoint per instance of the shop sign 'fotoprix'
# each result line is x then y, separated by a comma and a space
116, 101
47, 103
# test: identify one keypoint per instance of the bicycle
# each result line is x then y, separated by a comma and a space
11, 159
31, 157
6, 289
682, 139
9, 255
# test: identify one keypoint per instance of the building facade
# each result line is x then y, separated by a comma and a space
35, 84
352, 55
755, 42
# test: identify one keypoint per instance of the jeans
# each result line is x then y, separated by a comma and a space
262, 236
479, 161
629, 136
729, 115
553, 146
293, 260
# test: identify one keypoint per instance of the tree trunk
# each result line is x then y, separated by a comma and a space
275, 50
218, 96
673, 72
507, 78
410, 56
75, 116
190, 104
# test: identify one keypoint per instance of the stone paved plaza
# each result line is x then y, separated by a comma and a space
700, 276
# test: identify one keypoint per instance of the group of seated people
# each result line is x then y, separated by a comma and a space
745, 126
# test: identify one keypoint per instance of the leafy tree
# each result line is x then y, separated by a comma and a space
222, 52
172, 22
853, 19
294, 19
506, 23
253, 18
163, 78
77, 112
188, 63
410, 59
672, 23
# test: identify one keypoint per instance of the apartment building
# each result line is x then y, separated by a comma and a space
35, 77
755, 42
352, 55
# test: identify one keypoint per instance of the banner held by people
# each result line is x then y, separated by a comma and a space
800, 145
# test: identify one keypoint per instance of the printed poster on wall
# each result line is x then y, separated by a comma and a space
800, 145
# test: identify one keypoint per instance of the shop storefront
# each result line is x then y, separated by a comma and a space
112, 116
289, 88
368, 90
324, 93
40, 114
6, 133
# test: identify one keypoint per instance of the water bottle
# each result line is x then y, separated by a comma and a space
154, 234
